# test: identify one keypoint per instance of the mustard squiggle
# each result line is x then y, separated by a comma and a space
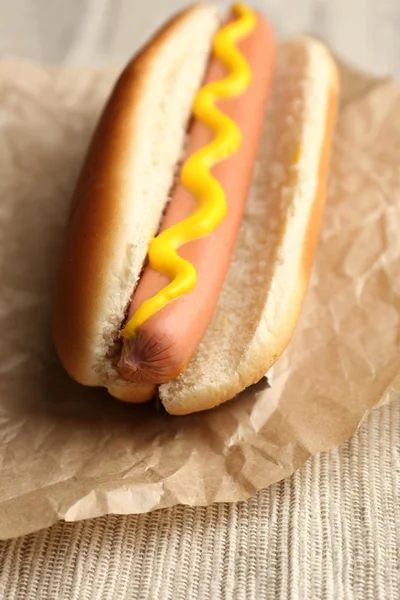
195, 175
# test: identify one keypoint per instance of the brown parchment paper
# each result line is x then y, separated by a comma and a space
67, 452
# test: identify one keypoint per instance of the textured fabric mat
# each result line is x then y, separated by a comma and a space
332, 530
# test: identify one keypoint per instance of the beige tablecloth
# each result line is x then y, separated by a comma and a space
330, 531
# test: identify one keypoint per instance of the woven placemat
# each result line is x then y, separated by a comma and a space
332, 530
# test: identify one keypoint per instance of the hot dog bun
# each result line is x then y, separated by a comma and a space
136, 147
263, 293
121, 195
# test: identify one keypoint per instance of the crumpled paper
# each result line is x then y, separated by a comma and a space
68, 452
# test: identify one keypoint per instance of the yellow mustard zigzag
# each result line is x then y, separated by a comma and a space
195, 175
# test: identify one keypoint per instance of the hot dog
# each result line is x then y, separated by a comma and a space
131, 324
165, 343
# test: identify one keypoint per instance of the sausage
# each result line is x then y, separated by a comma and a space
165, 343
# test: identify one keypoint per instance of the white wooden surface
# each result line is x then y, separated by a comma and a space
365, 32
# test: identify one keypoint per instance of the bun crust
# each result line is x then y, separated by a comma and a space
121, 194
